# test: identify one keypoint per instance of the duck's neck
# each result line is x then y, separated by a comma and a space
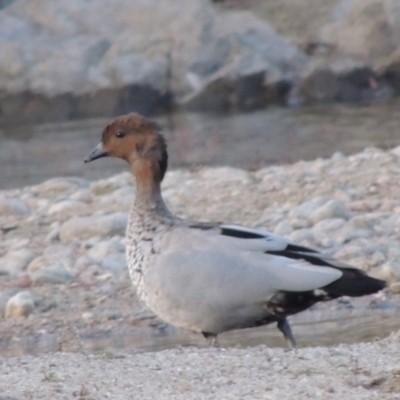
148, 189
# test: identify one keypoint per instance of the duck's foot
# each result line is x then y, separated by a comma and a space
212, 339
284, 327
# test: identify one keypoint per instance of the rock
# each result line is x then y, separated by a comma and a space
363, 32
16, 261
283, 228
56, 254
329, 225
115, 263
131, 64
12, 206
331, 209
20, 305
82, 228
53, 188
304, 210
101, 249
52, 275
225, 174
68, 208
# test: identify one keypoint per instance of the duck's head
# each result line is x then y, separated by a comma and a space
136, 140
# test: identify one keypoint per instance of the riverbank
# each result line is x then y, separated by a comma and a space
62, 246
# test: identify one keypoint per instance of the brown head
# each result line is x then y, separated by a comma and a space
136, 140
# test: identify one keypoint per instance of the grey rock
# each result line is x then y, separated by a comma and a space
52, 275
115, 263
20, 305
82, 228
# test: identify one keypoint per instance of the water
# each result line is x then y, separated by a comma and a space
31, 154
310, 329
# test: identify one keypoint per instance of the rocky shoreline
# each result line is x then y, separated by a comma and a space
63, 240
62, 265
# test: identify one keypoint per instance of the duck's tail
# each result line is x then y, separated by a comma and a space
354, 283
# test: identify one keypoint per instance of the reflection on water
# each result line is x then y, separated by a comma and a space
31, 154
344, 327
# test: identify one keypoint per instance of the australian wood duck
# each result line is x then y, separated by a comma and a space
213, 278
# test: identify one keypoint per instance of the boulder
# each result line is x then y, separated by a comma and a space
83, 59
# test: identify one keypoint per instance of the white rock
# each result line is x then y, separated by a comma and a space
306, 209
12, 206
17, 260
283, 228
20, 305
82, 228
57, 186
225, 174
331, 209
69, 207
329, 225
101, 249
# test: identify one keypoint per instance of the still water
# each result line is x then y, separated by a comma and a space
31, 154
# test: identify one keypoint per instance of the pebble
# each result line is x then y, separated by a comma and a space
16, 261
68, 207
12, 206
331, 209
53, 275
20, 305
82, 228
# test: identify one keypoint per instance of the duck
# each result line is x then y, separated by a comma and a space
214, 277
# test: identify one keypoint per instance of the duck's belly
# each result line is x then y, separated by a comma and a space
200, 316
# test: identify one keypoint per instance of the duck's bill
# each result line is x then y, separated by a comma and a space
96, 153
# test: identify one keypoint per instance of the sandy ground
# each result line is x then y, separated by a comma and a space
359, 371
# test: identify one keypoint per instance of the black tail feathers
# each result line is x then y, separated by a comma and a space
354, 283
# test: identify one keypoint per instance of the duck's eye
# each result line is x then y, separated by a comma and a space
119, 134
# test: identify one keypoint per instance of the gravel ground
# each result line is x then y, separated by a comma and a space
359, 371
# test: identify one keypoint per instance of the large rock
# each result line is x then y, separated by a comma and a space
101, 58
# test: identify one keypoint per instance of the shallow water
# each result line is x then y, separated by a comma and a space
310, 329
31, 154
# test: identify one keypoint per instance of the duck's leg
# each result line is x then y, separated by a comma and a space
212, 338
284, 327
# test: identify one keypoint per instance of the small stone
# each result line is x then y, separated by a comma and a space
304, 210
83, 228
68, 207
114, 262
20, 305
300, 223
283, 228
53, 275
12, 206
225, 174
395, 287
16, 261
302, 236
329, 225
331, 209
56, 186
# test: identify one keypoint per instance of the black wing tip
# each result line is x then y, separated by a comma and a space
355, 286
